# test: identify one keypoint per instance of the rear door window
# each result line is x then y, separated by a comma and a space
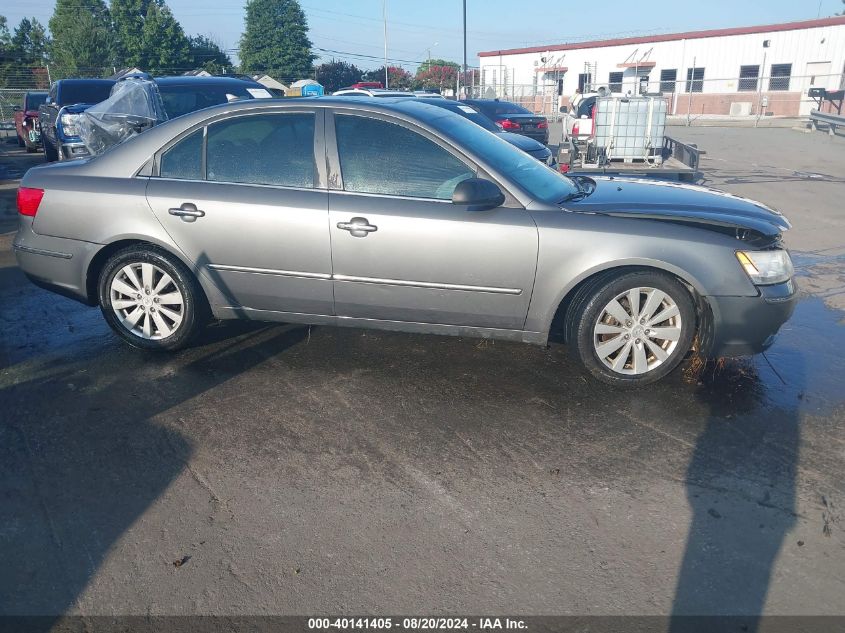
386, 158
264, 149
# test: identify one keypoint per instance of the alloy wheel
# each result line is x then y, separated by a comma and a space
147, 301
637, 331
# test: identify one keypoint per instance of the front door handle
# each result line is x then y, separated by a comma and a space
188, 212
358, 227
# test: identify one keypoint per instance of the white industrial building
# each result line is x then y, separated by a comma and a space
747, 70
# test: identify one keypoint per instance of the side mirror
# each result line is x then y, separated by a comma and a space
564, 109
477, 194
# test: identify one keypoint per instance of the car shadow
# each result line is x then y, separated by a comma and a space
83, 452
741, 489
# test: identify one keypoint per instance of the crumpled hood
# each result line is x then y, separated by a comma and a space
525, 143
630, 197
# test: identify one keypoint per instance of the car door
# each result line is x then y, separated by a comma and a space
401, 250
245, 199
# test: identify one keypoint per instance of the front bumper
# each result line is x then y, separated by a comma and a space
741, 326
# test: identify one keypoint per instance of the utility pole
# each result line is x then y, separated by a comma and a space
384, 15
464, 67
766, 44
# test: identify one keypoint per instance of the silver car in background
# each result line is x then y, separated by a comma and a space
400, 215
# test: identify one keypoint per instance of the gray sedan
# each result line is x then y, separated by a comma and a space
400, 215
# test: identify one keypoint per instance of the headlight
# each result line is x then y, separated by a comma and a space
70, 124
766, 267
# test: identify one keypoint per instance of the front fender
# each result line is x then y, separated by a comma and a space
574, 247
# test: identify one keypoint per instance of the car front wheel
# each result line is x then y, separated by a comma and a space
151, 299
634, 328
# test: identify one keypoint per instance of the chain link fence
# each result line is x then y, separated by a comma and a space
693, 98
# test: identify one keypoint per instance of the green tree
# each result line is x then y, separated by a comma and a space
29, 43
426, 65
206, 54
165, 46
275, 40
335, 75
398, 78
83, 44
148, 36
6, 58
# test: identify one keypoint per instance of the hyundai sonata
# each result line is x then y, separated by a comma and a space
400, 215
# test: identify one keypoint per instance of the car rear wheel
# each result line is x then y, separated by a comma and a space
151, 299
632, 329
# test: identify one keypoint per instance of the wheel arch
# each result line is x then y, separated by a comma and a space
555, 324
95, 266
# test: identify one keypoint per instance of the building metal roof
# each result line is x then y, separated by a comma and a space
671, 37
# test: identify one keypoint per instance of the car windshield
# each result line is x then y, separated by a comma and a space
33, 101
540, 182
181, 99
85, 92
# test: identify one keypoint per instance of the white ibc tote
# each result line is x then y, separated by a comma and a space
630, 128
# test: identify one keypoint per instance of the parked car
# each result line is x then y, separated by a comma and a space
514, 118
59, 115
367, 84
137, 102
578, 119
399, 215
26, 120
528, 145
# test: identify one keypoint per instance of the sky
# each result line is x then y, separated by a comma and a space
352, 30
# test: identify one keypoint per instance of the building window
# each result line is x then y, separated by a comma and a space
780, 77
584, 81
748, 78
614, 82
667, 79
695, 79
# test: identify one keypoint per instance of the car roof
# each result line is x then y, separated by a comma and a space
187, 80
72, 82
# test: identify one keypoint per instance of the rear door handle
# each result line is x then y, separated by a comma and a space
188, 212
358, 227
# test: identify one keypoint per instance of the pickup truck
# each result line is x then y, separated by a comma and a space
26, 120
59, 115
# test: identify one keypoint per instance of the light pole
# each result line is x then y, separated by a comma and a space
464, 67
384, 15
766, 44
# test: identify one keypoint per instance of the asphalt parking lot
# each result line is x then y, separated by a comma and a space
288, 470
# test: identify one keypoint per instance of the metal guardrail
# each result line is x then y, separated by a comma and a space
831, 120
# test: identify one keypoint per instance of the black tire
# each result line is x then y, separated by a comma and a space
50, 152
193, 310
589, 306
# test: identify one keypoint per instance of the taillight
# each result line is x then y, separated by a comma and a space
28, 200
507, 124
542, 125
564, 167
576, 129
